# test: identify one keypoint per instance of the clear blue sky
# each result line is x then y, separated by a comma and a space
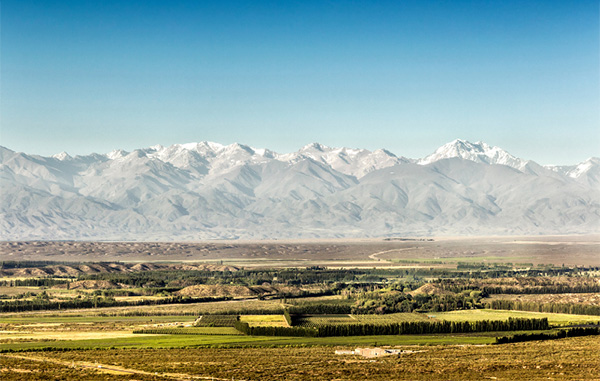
93, 76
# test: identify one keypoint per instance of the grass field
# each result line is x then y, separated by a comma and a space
180, 341
316, 320
553, 319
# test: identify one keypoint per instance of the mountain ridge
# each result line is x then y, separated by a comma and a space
208, 190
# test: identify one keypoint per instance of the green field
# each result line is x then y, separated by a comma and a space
316, 320
183, 341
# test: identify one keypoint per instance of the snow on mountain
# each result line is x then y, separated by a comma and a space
62, 156
587, 172
353, 162
478, 152
209, 191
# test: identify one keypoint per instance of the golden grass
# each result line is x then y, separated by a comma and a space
264, 320
553, 319
566, 359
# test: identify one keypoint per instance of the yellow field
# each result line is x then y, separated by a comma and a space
8, 336
264, 320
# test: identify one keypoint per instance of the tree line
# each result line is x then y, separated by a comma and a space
400, 328
563, 333
33, 282
527, 286
563, 308
37, 304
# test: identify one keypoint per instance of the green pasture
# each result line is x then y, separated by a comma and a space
183, 341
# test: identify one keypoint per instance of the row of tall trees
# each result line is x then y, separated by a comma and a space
426, 327
401, 328
537, 285
571, 332
42, 303
564, 308
275, 331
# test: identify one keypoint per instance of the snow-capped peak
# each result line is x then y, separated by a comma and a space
591, 165
206, 190
478, 152
62, 156
314, 147
116, 154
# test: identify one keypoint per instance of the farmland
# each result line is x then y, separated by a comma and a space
569, 359
254, 311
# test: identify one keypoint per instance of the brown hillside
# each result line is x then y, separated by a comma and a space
428, 289
206, 290
90, 285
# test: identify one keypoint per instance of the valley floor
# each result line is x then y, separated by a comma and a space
567, 359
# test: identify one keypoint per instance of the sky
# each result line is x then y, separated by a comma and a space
93, 76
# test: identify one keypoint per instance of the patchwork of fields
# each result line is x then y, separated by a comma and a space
445, 310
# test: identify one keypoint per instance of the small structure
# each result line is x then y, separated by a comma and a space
342, 352
374, 352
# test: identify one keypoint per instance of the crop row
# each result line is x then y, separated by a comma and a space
185, 331
217, 321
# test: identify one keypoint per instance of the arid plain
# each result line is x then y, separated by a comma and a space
568, 250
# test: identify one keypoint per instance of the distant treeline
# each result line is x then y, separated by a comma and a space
553, 289
305, 276
33, 282
42, 304
246, 311
181, 331
564, 308
572, 332
534, 286
335, 279
401, 328
26, 264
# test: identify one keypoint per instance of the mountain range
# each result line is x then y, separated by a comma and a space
211, 191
